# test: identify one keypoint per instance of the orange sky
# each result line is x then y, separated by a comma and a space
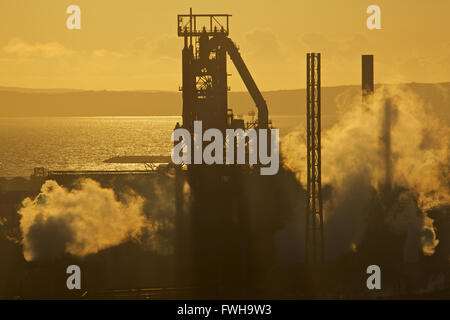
132, 44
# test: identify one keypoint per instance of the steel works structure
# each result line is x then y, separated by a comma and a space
213, 237
314, 249
367, 81
206, 44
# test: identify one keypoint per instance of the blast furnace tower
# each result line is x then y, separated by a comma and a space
212, 215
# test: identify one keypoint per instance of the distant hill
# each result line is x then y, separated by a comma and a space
89, 103
34, 90
21, 102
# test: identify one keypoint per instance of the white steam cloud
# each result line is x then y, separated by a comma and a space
392, 143
79, 222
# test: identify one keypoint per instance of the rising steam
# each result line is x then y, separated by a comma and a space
393, 151
79, 222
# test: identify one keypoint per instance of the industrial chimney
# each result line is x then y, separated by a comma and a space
367, 78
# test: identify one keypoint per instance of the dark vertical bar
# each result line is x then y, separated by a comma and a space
314, 218
195, 23
313, 154
308, 148
180, 254
367, 77
190, 26
319, 151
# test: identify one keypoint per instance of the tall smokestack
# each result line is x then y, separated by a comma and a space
367, 77
388, 121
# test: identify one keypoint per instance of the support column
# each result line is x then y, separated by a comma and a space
314, 247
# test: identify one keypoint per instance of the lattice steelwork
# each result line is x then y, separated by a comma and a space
314, 218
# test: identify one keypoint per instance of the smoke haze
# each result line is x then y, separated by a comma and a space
79, 222
390, 156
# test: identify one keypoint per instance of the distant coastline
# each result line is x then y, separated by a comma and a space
24, 102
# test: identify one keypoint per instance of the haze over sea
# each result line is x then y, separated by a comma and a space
83, 143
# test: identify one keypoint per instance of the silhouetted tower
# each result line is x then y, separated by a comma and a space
205, 87
367, 78
314, 248
216, 222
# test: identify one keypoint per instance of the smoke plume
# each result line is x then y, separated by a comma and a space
79, 222
390, 156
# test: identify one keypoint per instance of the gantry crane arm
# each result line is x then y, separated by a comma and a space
233, 51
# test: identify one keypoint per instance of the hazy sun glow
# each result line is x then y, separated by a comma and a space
133, 45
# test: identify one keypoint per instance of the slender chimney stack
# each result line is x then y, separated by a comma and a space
367, 78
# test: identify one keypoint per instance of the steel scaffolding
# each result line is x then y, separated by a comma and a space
314, 249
